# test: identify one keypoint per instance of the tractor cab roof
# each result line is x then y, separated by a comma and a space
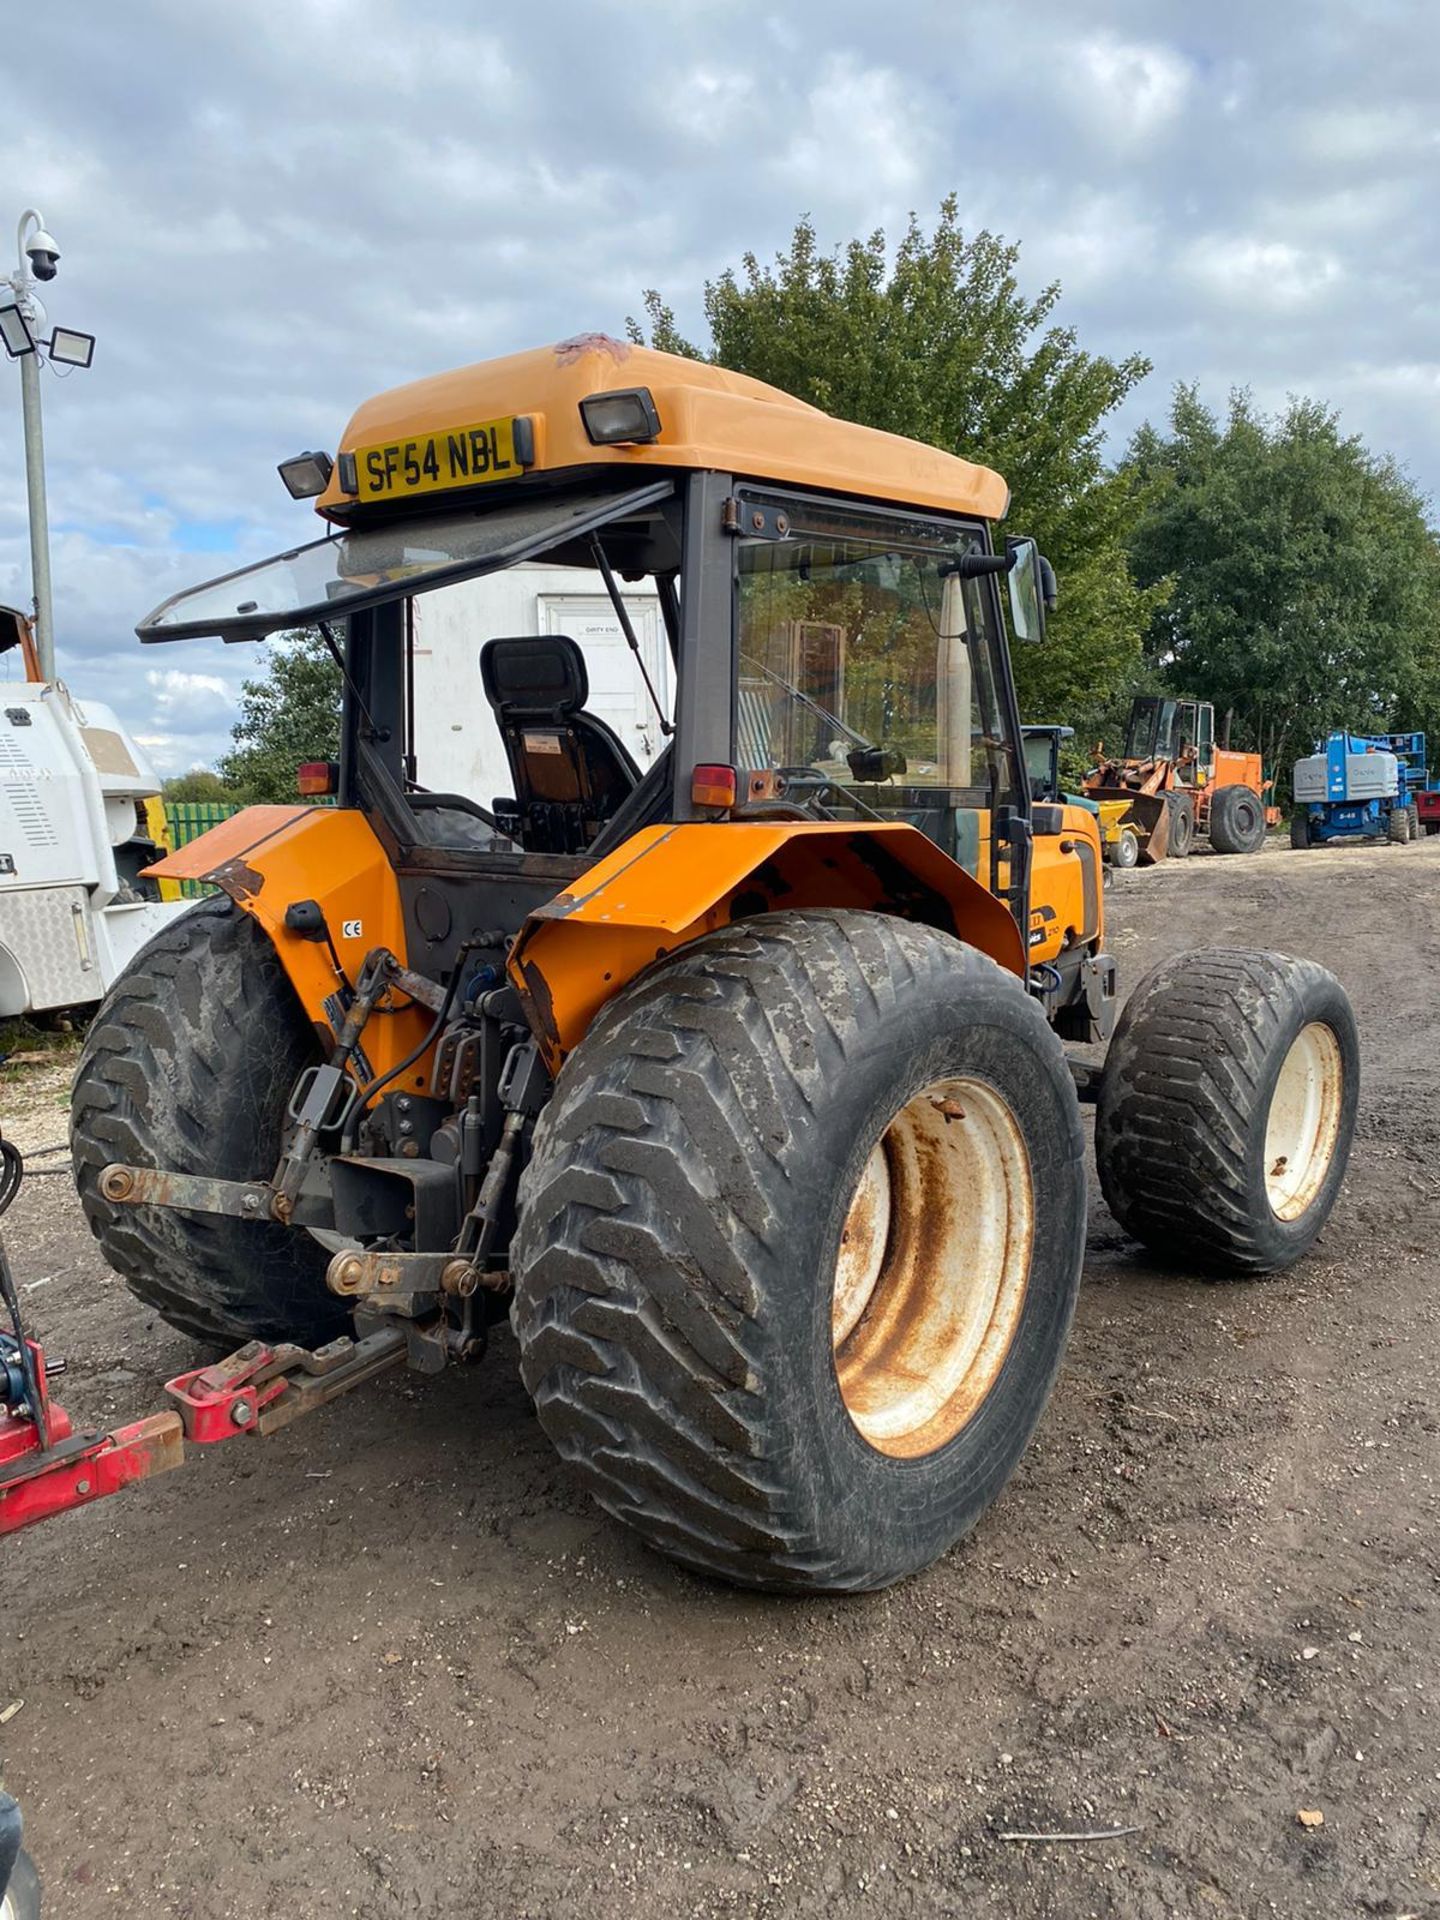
470, 471
694, 416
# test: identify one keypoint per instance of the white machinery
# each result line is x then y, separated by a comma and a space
73, 839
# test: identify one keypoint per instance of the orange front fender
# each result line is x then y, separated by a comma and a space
669, 885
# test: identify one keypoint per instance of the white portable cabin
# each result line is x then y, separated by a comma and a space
457, 743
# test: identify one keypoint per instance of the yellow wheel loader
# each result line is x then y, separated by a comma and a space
737, 1082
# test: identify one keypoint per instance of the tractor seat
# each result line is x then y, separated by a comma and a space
570, 771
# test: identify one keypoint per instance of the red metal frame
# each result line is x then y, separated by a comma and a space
233, 1396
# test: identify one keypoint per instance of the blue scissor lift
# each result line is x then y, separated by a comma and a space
1359, 786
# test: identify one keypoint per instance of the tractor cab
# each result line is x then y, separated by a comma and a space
1180, 732
800, 658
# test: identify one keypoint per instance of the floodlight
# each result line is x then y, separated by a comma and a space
70, 348
15, 332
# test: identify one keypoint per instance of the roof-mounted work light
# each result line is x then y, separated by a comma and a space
620, 418
15, 332
306, 475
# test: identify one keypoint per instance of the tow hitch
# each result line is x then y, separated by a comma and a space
46, 1466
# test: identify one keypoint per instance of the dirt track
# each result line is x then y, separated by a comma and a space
393, 1663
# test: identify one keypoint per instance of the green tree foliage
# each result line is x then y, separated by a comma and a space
200, 784
1303, 579
290, 713
942, 345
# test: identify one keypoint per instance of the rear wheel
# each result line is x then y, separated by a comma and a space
1300, 828
799, 1246
189, 1064
1397, 828
1126, 850
1227, 1108
1237, 820
1182, 824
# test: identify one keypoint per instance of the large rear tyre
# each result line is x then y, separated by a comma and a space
1397, 827
1182, 824
1300, 829
798, 1248
1227, 1108
189, 1064
1237, 820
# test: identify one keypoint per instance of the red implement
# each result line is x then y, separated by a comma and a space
46, 1467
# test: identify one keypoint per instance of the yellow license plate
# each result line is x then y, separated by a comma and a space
433, 462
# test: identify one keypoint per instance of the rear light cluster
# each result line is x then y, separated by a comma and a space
713, 786
317, 776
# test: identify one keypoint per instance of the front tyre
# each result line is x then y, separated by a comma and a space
1227, 1108
1182, 823
799, 1246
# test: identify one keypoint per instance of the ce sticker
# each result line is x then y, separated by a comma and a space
352, 929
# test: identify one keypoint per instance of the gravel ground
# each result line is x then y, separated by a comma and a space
392, 1663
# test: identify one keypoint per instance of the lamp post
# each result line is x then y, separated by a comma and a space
21, 319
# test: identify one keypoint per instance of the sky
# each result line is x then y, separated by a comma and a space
267, 212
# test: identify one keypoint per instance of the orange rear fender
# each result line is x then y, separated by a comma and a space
267, 859
670, 885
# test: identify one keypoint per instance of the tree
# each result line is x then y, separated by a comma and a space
200, 785
290, 713
944, 347
1304, 580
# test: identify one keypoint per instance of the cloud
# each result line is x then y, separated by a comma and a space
1267, 276
1127, 90
866, 138
266, 215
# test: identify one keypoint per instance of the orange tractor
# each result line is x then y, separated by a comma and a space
1180, 785
735, 1084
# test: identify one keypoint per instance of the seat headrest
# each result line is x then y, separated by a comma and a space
537, 673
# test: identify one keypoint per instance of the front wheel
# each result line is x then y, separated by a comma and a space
1227, 1108
799, 1247
1182, 823
1125, 853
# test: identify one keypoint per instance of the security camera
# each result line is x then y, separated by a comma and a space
43, 253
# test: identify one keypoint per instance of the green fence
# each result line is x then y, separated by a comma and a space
186, 820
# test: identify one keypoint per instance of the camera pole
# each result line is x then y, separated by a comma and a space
24, 286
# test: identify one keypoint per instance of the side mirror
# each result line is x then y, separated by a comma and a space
1031, 581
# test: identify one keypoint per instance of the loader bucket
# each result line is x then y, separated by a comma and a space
1147, 813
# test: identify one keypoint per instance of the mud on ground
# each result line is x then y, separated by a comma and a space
393, 1663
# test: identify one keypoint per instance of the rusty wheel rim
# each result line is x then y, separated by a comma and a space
1303, 1124
932, 1267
